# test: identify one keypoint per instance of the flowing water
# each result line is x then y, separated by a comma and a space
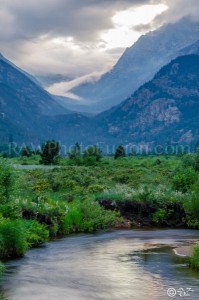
125, 265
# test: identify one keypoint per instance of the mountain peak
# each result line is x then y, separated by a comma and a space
140, 63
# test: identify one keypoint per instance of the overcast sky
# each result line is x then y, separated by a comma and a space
79, 37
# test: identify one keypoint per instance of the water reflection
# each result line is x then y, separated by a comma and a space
112, 266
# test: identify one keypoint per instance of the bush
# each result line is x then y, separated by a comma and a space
73, 220
10, 210
159, 195
191, 207
194, 260
6, 180
93, 152
88, 216
2, 268
160, 216
95, 188
96, 218
184, 179
36, 234
45, 211
188, 160
12, 238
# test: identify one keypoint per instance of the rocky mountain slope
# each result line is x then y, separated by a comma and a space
164, 110
139, 64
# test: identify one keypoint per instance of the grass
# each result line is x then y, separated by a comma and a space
194, 260
23, 160
2, 268
12, 238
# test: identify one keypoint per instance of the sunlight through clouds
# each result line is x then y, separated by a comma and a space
80, 37
140, 15
124, 22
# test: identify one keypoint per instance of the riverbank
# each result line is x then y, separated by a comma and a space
191, 252
187, 249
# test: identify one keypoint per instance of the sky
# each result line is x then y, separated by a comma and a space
80, 38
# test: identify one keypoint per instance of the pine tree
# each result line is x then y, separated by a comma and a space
120, 152
50, 152
75, 153
26, 151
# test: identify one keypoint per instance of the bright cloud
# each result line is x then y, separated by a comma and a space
124, 32
64, 88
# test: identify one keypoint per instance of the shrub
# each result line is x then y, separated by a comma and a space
191, 206
88, 216
95, 188
3, 297
10, 210
73, 220
194, 260
12, 238
2, 268
184, 179
36, 233
95, 217
6, 180
149, 194
160, 216
94, 153
90, 161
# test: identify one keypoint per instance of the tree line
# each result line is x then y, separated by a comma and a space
50, 151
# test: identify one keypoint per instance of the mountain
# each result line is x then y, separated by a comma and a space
32, 78
27, 90
164, 110
30, 115
192, 49
139, 64
74, 106
24, 104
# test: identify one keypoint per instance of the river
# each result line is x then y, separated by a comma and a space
127, 265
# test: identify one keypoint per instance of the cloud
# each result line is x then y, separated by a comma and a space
35, 33
64, 88
65, 36
143, 27
177, 9
81, 19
